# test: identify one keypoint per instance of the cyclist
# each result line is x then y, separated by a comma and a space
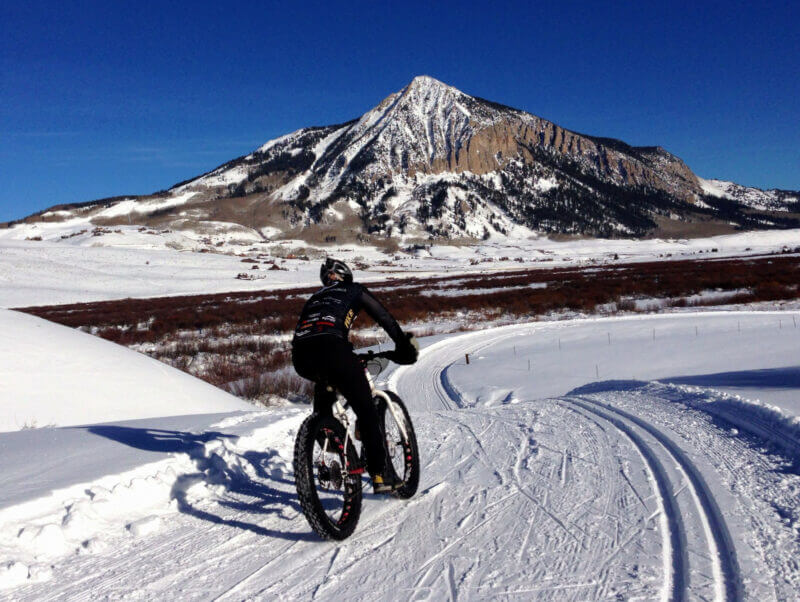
322, 353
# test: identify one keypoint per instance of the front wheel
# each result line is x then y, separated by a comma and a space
327, 477
402, 450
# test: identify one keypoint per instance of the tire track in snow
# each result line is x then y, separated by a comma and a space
447, 352
680, 580
676, 565
727, 580
438, 359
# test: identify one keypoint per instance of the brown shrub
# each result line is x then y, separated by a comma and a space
626, 305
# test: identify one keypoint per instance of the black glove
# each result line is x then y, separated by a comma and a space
406, 352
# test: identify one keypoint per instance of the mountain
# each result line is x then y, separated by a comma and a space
431, 161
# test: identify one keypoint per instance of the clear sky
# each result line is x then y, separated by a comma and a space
109, 98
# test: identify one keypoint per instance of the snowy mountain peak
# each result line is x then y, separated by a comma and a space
425, 84
430, 161
427, 81
429, 98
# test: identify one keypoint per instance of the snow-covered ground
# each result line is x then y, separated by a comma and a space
51, 375
755, 354
130, 263
579, 478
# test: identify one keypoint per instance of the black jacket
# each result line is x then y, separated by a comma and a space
332, 310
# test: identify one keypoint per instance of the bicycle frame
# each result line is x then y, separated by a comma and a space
340, 413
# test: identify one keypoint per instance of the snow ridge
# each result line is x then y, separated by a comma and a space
764, 200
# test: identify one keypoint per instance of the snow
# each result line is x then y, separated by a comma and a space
715, 188
750, 197
270, 232
123, 482
545, 184
234, 175
51, 375
238, 173
123, 207
128, 206
291, 189
50, 273
323, 144
616, 455
279, 140
130, 263
436, 292
683, 348
46, 230
462, 108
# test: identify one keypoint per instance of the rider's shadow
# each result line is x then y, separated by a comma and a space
214, 469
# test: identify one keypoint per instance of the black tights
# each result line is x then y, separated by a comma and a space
329, 360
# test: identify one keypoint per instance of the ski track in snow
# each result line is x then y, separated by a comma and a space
711, 547
615, 490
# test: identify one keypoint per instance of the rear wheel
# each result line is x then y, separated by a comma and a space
328, 477
402, 450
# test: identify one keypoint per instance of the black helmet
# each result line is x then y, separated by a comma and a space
334, 266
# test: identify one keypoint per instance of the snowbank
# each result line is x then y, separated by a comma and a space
52, 375
124, 482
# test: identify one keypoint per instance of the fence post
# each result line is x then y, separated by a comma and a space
466, 355
609, 337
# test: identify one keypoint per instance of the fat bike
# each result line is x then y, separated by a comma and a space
329, 460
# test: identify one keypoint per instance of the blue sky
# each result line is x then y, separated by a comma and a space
109, 98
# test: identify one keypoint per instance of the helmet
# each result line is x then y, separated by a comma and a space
334, 266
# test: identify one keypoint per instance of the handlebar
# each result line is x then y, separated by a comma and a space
371, 355
389, 355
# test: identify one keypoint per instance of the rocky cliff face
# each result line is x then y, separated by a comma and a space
431, 161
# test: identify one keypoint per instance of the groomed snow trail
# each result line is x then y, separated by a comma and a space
700, 558
714, 554
704, 474
615, 490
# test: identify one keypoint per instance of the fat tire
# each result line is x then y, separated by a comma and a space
410, 449
305, 479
